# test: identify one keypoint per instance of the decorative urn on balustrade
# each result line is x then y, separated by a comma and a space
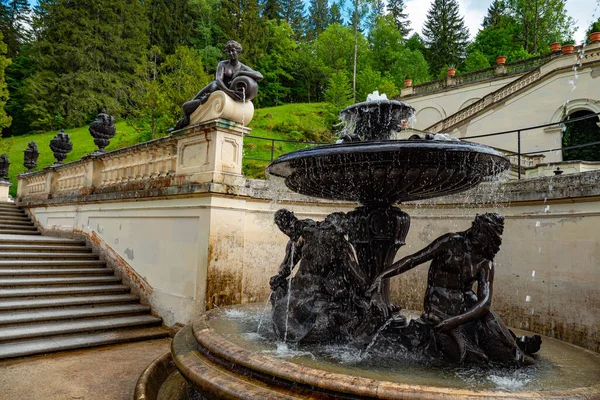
61, 146
31, 155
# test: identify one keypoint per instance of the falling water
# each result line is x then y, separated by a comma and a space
264, 311
387, 323
289, 294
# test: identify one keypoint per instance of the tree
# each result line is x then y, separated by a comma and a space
335, 12
319, 18
395, 8
386, 43
14, 23
497, 15
540, 22
293, 14
85, 56
205, 32
170, 24
476, 61
359, 11
410, 64
446, 35
241, 20
309, 74
335, 49
338, 96
5, 119
272, 9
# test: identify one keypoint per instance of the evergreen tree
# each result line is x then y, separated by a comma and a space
5, 119
335, 13
241, 20
293, 14
273, 9
170, 24
396, 9
319, 18
445, 34
85, 57
496, 15
14, 23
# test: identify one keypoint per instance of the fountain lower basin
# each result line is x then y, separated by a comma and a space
222, 356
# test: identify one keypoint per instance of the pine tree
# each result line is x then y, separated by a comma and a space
445, 35
273, 9
319, 18
293, 13
496, 14
86, 55
14, 22
335, 13
5, 119
170, 24
396, 9
241, 20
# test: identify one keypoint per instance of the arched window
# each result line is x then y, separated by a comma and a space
581, 132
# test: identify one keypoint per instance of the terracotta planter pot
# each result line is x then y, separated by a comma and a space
407, 83
451, 71
568, 49
595, 37
501, 60
555, 47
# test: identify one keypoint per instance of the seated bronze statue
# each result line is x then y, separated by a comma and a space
237, 80
459, 322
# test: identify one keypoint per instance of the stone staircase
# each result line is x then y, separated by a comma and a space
55, 294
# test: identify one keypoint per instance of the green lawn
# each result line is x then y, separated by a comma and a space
304, 122
83, 144
297, 122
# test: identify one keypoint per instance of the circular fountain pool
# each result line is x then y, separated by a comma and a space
225, 353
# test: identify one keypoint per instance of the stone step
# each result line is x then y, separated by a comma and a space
15, 218
16, 222
39, 241
25, 272
18, 232
17, 227
56, 314
65, 301
45, 248
78, 341
42, 281
47, 256
50, 263
9, 293
12, 213
27, 331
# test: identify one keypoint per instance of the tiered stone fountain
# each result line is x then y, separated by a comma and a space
331, 316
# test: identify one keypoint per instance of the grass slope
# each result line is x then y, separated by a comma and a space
295, 122
83, 144
306, 122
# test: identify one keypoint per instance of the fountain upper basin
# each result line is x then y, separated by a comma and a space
388, 171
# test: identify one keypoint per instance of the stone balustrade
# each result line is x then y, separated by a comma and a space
210, 152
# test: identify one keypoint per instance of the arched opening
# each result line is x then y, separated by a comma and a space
581, 132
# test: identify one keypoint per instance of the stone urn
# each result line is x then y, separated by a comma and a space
501, 60
555, 47
451, 71
31, 155
102, 130
4, 163
61, 146
407, 82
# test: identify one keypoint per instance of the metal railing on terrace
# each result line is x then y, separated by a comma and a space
277, 147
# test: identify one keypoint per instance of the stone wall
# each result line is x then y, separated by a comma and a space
200, 246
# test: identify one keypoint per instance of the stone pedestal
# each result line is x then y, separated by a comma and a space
4, 186
219, 105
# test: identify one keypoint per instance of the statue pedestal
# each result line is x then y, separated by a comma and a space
220, 105
4, 186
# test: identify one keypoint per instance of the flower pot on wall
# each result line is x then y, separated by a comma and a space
568, 49
451, 71
407, 83
595, 37
555, 47
501, 60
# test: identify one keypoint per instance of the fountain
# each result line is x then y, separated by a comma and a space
331, 313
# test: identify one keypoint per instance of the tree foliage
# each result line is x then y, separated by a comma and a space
395, 8
446, 35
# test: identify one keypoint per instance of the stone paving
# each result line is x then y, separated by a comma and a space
101, 373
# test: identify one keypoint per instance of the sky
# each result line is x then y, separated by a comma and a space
583, 11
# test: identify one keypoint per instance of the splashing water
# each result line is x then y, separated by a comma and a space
264, 311
387, 323
289, 296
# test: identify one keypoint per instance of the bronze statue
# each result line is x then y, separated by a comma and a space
324, 300
459, 321
237, 80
